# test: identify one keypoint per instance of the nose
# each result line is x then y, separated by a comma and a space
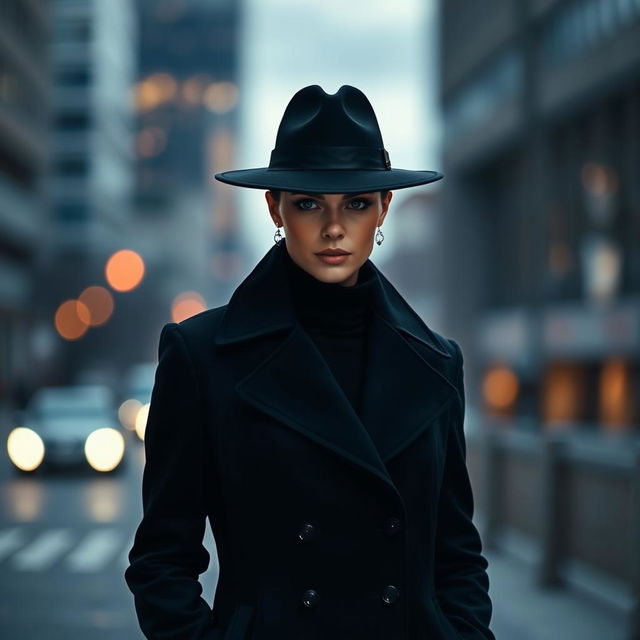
333, 230
334, 227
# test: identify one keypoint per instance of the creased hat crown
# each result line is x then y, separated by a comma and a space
345, 117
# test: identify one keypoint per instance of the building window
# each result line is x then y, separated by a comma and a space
582, 25
500, 82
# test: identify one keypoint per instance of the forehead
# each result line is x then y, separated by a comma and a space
329, 196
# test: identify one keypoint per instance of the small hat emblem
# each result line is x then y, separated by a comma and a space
385, 156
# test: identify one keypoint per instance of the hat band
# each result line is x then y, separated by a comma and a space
323, 157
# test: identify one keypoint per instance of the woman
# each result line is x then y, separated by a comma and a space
316, 420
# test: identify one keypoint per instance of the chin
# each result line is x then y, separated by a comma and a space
332, 274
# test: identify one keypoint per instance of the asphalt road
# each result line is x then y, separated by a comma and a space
64, 540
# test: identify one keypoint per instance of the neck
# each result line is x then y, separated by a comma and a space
330, 307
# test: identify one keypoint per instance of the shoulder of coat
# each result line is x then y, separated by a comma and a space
452, 348
201, 327
448, 344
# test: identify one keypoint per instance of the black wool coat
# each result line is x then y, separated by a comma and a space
320, 533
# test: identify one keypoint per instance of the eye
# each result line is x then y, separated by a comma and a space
300, 204
365, 202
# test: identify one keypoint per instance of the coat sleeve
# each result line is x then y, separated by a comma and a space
462, 583
167, 555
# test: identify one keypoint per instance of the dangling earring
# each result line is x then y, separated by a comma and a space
380, 238
277, 236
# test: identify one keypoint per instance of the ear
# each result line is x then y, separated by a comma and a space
385, 207
274, 208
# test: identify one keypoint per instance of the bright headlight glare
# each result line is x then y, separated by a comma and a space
104, 449
141, 420
25, 448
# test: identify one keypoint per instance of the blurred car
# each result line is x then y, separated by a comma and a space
68, 425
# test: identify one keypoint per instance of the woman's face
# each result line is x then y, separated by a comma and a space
314, 223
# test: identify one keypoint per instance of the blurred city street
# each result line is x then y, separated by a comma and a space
63, 545
523, 611
114, 118
64, 541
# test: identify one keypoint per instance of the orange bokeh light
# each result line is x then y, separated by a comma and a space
186, 305
154, 90
99, 301
616, 410
71, 319
221, 97
124, 270
500, 388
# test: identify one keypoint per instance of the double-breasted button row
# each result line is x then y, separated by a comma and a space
390, 595
390, 592
308, 531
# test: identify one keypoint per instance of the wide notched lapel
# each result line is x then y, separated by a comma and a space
402, 392
404, 389
296, 386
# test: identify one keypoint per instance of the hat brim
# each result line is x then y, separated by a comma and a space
327, 180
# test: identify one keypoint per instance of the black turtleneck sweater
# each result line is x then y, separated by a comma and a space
337, 318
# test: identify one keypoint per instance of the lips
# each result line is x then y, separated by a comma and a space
333, 252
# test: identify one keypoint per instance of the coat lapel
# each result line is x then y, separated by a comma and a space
296, 386
403, 390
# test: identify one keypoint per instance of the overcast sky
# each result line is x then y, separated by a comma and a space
388, 50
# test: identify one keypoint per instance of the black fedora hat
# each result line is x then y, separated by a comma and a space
328, 143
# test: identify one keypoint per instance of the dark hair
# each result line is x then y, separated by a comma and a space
276, 194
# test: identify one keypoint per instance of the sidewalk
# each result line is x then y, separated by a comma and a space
524, 611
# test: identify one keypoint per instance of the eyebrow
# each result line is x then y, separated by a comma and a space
321, 197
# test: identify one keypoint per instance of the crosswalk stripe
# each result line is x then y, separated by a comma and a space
95, 551
10, 540
43, 551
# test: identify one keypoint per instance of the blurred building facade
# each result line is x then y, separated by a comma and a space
542, 137
93, 56
89, 184
416, 265
187, 94
24, 110
541, 104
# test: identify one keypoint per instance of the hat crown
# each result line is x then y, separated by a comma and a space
314, 117
328, 143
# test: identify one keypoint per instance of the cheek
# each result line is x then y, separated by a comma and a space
365, 229
298, 231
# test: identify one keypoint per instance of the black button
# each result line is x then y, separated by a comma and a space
390, 594
391, 526
310, 598
307, 531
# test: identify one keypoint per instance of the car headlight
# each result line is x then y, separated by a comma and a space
25, 448
104, 449
141, 420
127, 413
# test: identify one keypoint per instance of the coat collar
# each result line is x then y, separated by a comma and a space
261, 304
405, 387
